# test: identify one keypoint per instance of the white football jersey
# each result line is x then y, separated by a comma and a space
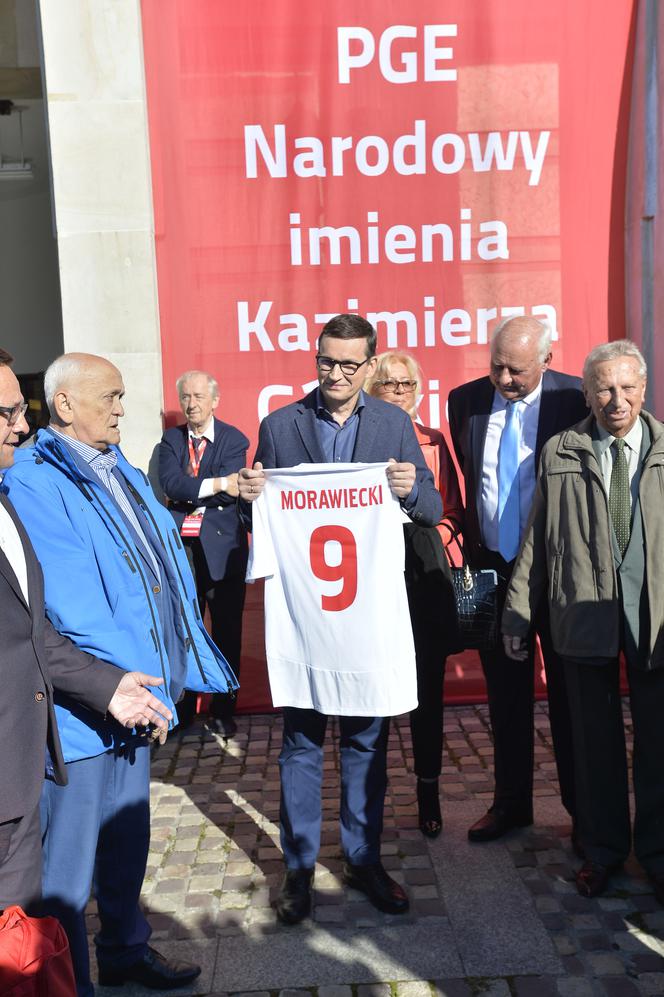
328, 539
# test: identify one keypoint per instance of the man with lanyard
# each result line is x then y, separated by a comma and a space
198, 465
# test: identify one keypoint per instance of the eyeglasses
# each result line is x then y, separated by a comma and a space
393, 387
14, 412
348, 367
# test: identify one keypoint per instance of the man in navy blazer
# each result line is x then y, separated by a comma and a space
548, 402
338, 422
198, 465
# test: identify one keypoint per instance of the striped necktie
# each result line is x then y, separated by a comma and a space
619, 497
509, 508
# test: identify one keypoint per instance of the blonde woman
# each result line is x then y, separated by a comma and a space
397, 380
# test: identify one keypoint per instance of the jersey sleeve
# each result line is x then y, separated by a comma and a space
262, 558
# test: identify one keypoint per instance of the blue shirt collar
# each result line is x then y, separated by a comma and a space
321, 408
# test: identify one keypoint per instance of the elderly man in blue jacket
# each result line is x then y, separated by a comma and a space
118, 584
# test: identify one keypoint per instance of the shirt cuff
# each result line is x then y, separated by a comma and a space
207, 488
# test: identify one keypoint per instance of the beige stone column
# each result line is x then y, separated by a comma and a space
97, 119
644, 215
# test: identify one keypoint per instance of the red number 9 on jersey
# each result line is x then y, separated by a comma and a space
345, 571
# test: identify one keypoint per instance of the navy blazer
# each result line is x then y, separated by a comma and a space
288, 437
562, 405
34, 659
223, 539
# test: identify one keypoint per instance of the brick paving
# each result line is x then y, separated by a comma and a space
215, 866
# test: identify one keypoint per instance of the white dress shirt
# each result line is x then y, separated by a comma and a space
207, 484
529, 418
12, 548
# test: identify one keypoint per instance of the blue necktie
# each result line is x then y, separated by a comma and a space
508, 483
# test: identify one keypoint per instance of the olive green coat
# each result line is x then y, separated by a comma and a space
567, 554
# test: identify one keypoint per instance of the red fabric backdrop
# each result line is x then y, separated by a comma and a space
433, 168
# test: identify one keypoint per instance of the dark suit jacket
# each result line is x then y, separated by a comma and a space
562, 404
288, 437
33, 659
223, 540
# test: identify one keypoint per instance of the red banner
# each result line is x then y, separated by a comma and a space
434, 166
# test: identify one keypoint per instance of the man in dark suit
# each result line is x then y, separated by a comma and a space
198, 465
498, 425
35, 658
338, 422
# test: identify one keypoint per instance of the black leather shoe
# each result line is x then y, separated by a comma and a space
151, 971
380, 888
592, 878
495, 824
294, 900
225, 726
428, 808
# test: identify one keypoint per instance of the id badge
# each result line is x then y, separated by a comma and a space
191, 526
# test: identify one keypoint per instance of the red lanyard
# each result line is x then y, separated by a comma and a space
196, 458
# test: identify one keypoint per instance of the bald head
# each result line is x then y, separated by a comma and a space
84, 395
520, 353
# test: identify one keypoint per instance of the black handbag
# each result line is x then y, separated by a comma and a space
476, 597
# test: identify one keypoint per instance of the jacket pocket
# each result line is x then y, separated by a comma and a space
555, 580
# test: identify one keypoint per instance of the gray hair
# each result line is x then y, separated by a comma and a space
539, 326
213, 384
63, 370
613, 351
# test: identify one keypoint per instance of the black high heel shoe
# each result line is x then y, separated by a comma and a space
428, 806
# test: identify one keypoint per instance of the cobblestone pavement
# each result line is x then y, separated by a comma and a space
215, 867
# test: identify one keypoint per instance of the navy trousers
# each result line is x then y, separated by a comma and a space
96, 835
363, 760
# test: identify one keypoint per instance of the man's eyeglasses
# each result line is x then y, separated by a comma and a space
391, 387
13, 412
347, 367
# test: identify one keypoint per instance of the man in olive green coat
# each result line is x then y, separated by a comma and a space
595, 548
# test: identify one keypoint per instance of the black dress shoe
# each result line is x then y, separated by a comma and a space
151, 971
428, 808
225, 726
495, 824
380, 888
592, 878
294, 900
